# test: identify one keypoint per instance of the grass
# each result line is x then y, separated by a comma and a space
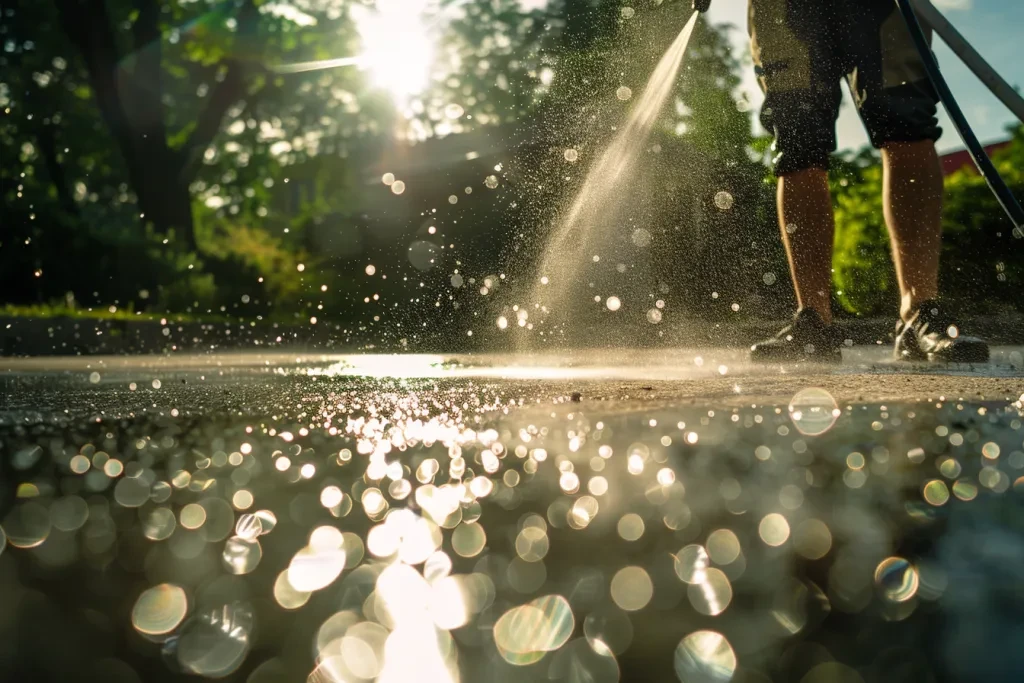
46, 311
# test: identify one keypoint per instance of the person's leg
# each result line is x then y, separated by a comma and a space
898, 106
805, 217
912, 202
794, 53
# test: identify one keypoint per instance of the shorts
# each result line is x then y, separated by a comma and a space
802, 49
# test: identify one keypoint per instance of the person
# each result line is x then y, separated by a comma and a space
802, 49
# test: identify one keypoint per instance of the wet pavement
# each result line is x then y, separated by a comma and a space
656, 516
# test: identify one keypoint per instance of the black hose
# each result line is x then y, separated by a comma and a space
981, 160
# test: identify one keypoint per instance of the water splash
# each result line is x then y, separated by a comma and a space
601, 199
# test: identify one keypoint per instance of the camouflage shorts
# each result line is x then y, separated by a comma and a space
803, 49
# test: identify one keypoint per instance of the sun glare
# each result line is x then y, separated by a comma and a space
397, 47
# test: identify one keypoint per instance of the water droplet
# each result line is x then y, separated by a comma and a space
641, 237
897, 579
632, 588
241, 555
813, 411
159, 610
704, 657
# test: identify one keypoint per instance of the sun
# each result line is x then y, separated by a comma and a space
398, 50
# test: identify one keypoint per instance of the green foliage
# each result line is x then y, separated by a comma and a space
862, 273
982, 264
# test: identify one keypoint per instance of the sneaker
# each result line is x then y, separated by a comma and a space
807, 338
932, 335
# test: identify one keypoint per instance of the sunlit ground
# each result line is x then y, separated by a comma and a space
633, 516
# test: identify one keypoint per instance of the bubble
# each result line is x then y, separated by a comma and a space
532, 544
215, 643
468, 540
769, 278
423, 255
896, 579
69, 513
454, 111
791, 228
641, 237
623, 93
704, 657
456, 280
491, 181
631, 526
437, 566
158, 524
654, 316
712, 595
241, 555
314, 568
965, 489
268, 520
812, 539
159, 610
131, 492
523, 634
723, 200
371, 269
453, 199
242, 499
27, 525
192, 516
398, 187
774, 529
571, 155
813, 411
613, 303
609, 626
723, 546
286, 595
935, 492
691, 563
627, 12
632, 588
330, 496
94, 378
388, 178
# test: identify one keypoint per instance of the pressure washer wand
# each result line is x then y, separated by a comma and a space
977, 152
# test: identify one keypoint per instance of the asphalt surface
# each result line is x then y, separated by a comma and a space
637, 515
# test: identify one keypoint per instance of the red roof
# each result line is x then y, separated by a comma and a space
954, 161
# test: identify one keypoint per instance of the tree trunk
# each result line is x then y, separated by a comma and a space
167, 204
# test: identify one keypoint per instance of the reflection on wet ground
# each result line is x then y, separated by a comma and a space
422, 519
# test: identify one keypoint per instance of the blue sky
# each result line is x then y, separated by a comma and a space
994, 27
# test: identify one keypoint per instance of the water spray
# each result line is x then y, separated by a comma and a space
995, 182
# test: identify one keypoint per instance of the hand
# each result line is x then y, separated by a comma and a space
701, 5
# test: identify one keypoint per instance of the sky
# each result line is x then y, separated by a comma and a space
994, 27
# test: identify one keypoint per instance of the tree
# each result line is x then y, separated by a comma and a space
165, 78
